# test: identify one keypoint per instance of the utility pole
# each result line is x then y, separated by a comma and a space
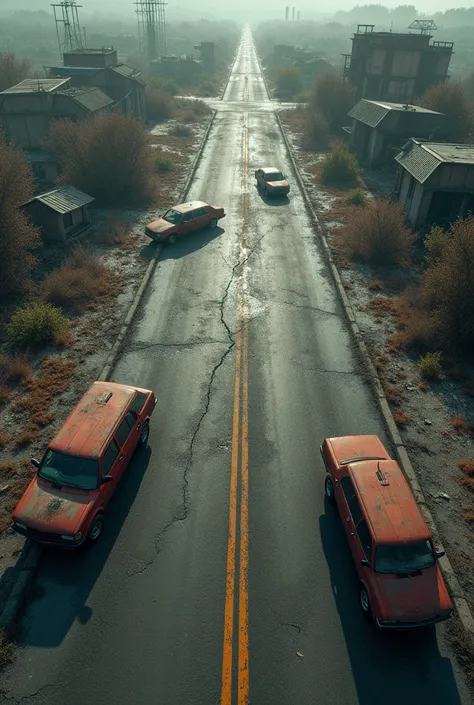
151, 28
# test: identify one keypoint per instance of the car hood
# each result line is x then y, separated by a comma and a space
44, 508
159, 226
416, 597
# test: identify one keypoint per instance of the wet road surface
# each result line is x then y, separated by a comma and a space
222, 577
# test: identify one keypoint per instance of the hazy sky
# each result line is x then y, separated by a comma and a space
240, 10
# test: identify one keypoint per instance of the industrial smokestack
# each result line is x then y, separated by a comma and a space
298, 16
287, 13
293, 14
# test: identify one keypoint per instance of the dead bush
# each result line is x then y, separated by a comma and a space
401, 419
180, 131
333, 98
108, 156
435, 242
160, 105
339, 168
377, 233
12, 69
114, 233
18, 239
52, 379
451, 99
197, 108
14, 369
316, 132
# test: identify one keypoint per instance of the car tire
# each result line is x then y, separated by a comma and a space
329, 489
213, 223
365, 602
95, 529
145, 432
171, 239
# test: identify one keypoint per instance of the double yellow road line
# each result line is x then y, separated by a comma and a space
237, 545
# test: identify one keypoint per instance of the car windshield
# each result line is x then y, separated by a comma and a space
404, 558
275, 177
69, 471
172, 216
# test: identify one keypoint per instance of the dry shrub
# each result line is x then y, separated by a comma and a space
382, 306
377, 233
163, 162
108, 156
25, 438
429, 365
289, 81
356, 197
468, 514
333, 98
195, 108
114, 233
180, 131
5, 395
435, 242
4, 440
467, 467
394, 394
52, 379
18, 239
14, 370
401, 419
339, 168
451, 99
35, 325
159, 104
12, 70
460, 425
316, 132
375, 285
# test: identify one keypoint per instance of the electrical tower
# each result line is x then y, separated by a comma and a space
66, 14
424, 26
151, 28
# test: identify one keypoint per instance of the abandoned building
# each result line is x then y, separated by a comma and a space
207, 52
44, 166
101, 68
27, 109
379, 129
61, 214
435, 182
185, 70
395, 66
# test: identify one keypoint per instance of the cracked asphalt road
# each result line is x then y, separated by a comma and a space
140, 618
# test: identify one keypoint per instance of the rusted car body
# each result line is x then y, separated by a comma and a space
272, 181
401, 585
182, 220
79, 472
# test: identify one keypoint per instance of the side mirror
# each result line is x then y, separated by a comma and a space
440, 554
365, 562
35, 462
107, 478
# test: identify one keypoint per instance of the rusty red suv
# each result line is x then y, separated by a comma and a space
183, 219
401, 585
65, 502
272, 181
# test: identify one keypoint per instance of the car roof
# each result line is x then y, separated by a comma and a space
271, 170
185, 207
390, 507
347, 448
91, 422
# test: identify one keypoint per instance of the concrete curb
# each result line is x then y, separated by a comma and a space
457, 594
31, 552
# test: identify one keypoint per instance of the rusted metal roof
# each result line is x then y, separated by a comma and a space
421, 159
373, 112
64, 199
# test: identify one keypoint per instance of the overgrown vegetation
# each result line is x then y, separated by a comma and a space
163, 163
289, 82
435, 242
14, 370
108, 156
430, 365
316, 132
332, 97
159, 104
356, 197
12, 69
451, 99
339, 168
36, 324
18, 239
180, 131
377, 233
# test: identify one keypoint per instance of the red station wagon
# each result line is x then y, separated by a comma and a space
401, 585
272, 181
183, 219
65, 501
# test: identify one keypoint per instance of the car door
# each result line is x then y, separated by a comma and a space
201, 218
110, 465
351, 512
187, 224
363, 547
127, 435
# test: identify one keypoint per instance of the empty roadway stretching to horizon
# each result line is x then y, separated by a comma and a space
222, 578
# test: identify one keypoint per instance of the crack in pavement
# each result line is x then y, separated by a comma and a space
315, 309
184, 345
27, 697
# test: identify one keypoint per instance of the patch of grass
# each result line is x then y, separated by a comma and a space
429, 365
401, 419
394, 394
35, 325
180, 131
163, 163
14, 369
52, 379
339, 168
375, 285
356, 197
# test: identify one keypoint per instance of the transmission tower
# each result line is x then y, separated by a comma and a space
151, 28
66, 14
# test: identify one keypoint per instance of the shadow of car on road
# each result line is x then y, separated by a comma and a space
183, 245
65, 579
273, 200
387, 667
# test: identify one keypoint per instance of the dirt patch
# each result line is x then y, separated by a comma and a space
38, 390
435, 417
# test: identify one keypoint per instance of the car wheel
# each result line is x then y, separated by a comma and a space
364, 601
95, 529
171, 239
213, 223
329, 489
144, 434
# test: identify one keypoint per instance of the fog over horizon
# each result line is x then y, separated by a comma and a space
244, 11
